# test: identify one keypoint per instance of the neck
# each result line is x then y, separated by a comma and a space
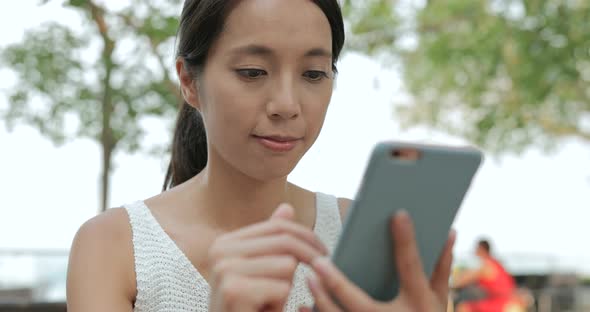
232, 199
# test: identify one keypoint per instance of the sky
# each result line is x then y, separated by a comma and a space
534, 207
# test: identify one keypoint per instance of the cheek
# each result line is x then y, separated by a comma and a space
230, 110
315, 111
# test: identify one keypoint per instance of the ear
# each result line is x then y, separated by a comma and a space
188, 86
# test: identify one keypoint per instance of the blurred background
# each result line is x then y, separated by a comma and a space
88, 98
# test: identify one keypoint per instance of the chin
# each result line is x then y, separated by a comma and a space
270, 174
271, 170
263, 166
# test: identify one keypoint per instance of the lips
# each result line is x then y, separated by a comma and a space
278, 143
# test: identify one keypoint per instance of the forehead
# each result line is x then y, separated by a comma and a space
287, 25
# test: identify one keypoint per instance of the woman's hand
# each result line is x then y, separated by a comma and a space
417, 293
253, 268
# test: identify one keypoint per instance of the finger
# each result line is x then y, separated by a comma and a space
440, 277
351, 297
276, 296
255, 293
282, 244
407, 258
284, 211
305, 309
274, 267
323, 301
277, 226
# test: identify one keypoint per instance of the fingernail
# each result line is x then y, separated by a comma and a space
325, 250
453, 234
403, 218
313, 283
283, 210
284, 206
402, 213
322, 265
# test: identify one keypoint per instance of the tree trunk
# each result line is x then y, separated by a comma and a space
107, 153
107, 140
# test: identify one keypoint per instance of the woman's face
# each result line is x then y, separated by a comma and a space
266, 85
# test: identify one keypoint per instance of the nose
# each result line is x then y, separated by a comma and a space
284, 103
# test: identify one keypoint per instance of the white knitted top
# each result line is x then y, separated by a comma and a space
168, 281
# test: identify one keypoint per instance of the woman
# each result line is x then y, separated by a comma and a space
257, 77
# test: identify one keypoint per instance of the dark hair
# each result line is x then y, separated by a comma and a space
201, 22
485, 244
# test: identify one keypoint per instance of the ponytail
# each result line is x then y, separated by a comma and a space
201, 21
189, 147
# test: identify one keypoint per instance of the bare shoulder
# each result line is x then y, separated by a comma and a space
343, 205
113, 223
101, 266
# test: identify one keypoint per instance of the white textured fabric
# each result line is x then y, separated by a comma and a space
168, 281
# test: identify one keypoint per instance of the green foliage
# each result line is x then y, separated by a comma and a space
371, 25
504, 74
49, 72
59, 73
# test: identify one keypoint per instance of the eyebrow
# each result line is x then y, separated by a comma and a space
318, 52
259, 50
253, 49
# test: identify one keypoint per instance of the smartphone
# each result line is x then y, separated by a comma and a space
427, 181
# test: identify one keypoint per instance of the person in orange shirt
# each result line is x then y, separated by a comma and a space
496, 283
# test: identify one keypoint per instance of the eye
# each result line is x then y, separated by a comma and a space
315, 75
251, 73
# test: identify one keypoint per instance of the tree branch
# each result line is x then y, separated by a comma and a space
107, 139
170, 84
561, 130
97, 14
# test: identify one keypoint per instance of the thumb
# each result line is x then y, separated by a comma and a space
284, 211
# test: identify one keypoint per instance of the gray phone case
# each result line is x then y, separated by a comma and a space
430, 189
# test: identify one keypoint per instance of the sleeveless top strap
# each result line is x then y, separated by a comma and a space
166, 280
328, 224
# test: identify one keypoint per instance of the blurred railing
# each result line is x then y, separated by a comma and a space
33, 279
34, 307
